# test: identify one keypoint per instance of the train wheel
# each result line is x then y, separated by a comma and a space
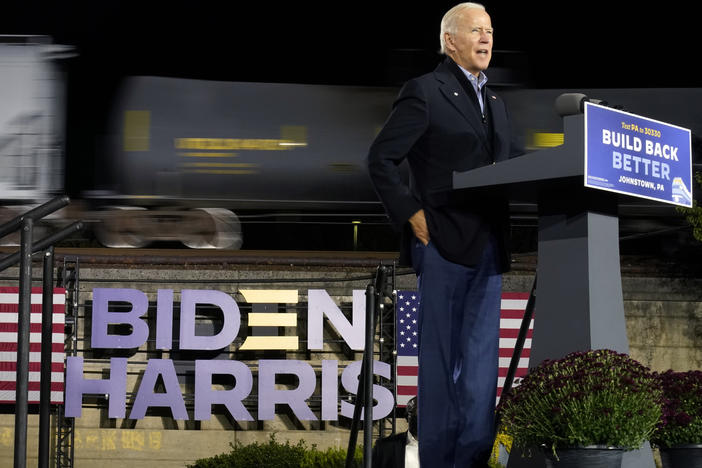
224, 231
119, 228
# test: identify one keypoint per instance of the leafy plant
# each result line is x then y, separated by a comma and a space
682, 409
271, 454
694, 215
274, 454
330, 458
504, 441
598, 397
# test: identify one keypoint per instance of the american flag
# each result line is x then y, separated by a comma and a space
9, 300
406, 343
512, 309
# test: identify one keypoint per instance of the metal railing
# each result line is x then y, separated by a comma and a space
68, 277
25, 223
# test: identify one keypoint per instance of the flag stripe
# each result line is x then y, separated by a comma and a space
516, 295
33, 367
512, 314
405, 380
513, 333
511, 304
8, 396
33, 347
523, 362
11, 296
407, 361
11, 337
510, 343
33, 328
33, 385
507, 352
406, 370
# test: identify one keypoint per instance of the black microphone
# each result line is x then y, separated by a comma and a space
570, 104
574, 103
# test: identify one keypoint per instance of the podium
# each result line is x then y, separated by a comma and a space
579, 293
579, 302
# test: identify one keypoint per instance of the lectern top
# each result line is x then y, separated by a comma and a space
603, 149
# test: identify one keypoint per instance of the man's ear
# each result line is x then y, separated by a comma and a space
448, 40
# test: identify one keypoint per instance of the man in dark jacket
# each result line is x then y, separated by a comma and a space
399, 450
442, 122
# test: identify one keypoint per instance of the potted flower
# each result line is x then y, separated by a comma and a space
679, 435
583, 409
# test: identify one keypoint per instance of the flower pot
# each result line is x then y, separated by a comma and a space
593, 397
682, 456
591, 456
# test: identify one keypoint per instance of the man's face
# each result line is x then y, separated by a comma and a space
471, 45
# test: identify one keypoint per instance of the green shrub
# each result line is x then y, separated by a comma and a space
271, 455
694, 214
330, 458
274, 454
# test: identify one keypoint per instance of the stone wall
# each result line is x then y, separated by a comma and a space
664, 324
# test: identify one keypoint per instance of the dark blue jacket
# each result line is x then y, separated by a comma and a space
437, 126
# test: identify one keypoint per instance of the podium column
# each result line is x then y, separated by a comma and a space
579, 301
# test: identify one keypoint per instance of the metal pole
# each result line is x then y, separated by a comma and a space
518, 347
36, 213
368, 377
360, 393
372, 317
23, 324
47, 307
394, 341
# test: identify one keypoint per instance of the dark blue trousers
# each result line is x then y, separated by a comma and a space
459, 320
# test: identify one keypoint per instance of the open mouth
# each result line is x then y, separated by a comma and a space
484, 52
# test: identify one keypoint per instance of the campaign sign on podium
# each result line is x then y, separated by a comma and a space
637, 156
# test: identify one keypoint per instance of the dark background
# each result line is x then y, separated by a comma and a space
568, 44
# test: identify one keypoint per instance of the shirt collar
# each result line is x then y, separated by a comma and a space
480, 80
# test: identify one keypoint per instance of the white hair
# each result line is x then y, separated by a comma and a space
448, 22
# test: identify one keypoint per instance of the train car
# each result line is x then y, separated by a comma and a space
187, 157
32, 122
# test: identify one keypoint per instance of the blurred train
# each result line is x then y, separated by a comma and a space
196, 161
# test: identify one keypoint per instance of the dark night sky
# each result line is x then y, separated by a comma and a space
581, 44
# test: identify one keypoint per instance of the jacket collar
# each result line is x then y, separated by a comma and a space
447, 73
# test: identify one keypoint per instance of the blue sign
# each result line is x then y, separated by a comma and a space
637, 156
